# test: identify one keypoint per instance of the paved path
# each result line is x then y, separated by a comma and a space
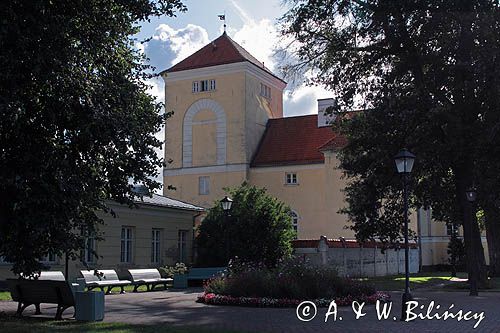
179, 308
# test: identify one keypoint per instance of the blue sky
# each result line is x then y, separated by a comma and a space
253, 24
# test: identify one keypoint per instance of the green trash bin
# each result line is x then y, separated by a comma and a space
180, 281
89, 305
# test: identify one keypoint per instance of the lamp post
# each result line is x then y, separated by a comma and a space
404, 163
453, 240
226, 204
471, 195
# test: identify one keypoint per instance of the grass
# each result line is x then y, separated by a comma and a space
419, 280
5, 295
37, 325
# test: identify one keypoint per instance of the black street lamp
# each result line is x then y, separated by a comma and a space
226, 205
471, 195
404, 163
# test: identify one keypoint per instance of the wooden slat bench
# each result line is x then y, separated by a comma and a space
35, 292
204, 273
147, 277
109, 280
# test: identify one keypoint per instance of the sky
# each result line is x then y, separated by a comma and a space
251, 23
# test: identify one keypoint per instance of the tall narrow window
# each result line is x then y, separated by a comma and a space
126, 245
204, 185
155, 246
49, 258
89, 255
265, 91
182, 245
212, 84
196, 86
204, 85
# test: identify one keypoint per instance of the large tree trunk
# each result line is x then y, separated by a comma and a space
492, 222
476, 264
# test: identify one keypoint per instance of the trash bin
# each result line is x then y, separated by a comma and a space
89, 305
180, 281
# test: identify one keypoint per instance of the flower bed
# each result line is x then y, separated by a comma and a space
287, 284
213, 299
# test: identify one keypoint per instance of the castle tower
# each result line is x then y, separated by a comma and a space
222, 98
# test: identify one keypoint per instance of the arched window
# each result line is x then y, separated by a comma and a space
295, 221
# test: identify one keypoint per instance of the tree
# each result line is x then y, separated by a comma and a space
76, 121
428, 75
257, 229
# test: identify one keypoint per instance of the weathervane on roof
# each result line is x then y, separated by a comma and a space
223, 18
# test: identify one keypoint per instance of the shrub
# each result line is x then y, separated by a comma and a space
170, 271
259, 228
290, 279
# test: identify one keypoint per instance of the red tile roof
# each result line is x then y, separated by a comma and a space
221, 51
294, 140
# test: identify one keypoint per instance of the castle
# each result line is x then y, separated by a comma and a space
228, 127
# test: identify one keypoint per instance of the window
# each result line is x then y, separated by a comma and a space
182, 245
291, 179
295, 222
155, 246
196, 86
265, 91
89, 255
451, 228
203, 85
204, 185
49, 258
126, 245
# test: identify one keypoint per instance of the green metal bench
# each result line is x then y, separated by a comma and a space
204, 273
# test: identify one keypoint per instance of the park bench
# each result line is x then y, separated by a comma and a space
147, 277
107, 279
204, 273
35, 292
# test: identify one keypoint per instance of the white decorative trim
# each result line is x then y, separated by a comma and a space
187, 141
442, 239
205, 170
244, 66
288, 168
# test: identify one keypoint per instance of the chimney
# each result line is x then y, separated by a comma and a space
325, 118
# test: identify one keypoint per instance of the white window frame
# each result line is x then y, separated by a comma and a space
126, 244
453, 226
265, 91
291, 178
196, 87
204, 185
182, 236
156, 246
212, 85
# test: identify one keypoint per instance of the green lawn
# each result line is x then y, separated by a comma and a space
36, 325
5, 295
419, 280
